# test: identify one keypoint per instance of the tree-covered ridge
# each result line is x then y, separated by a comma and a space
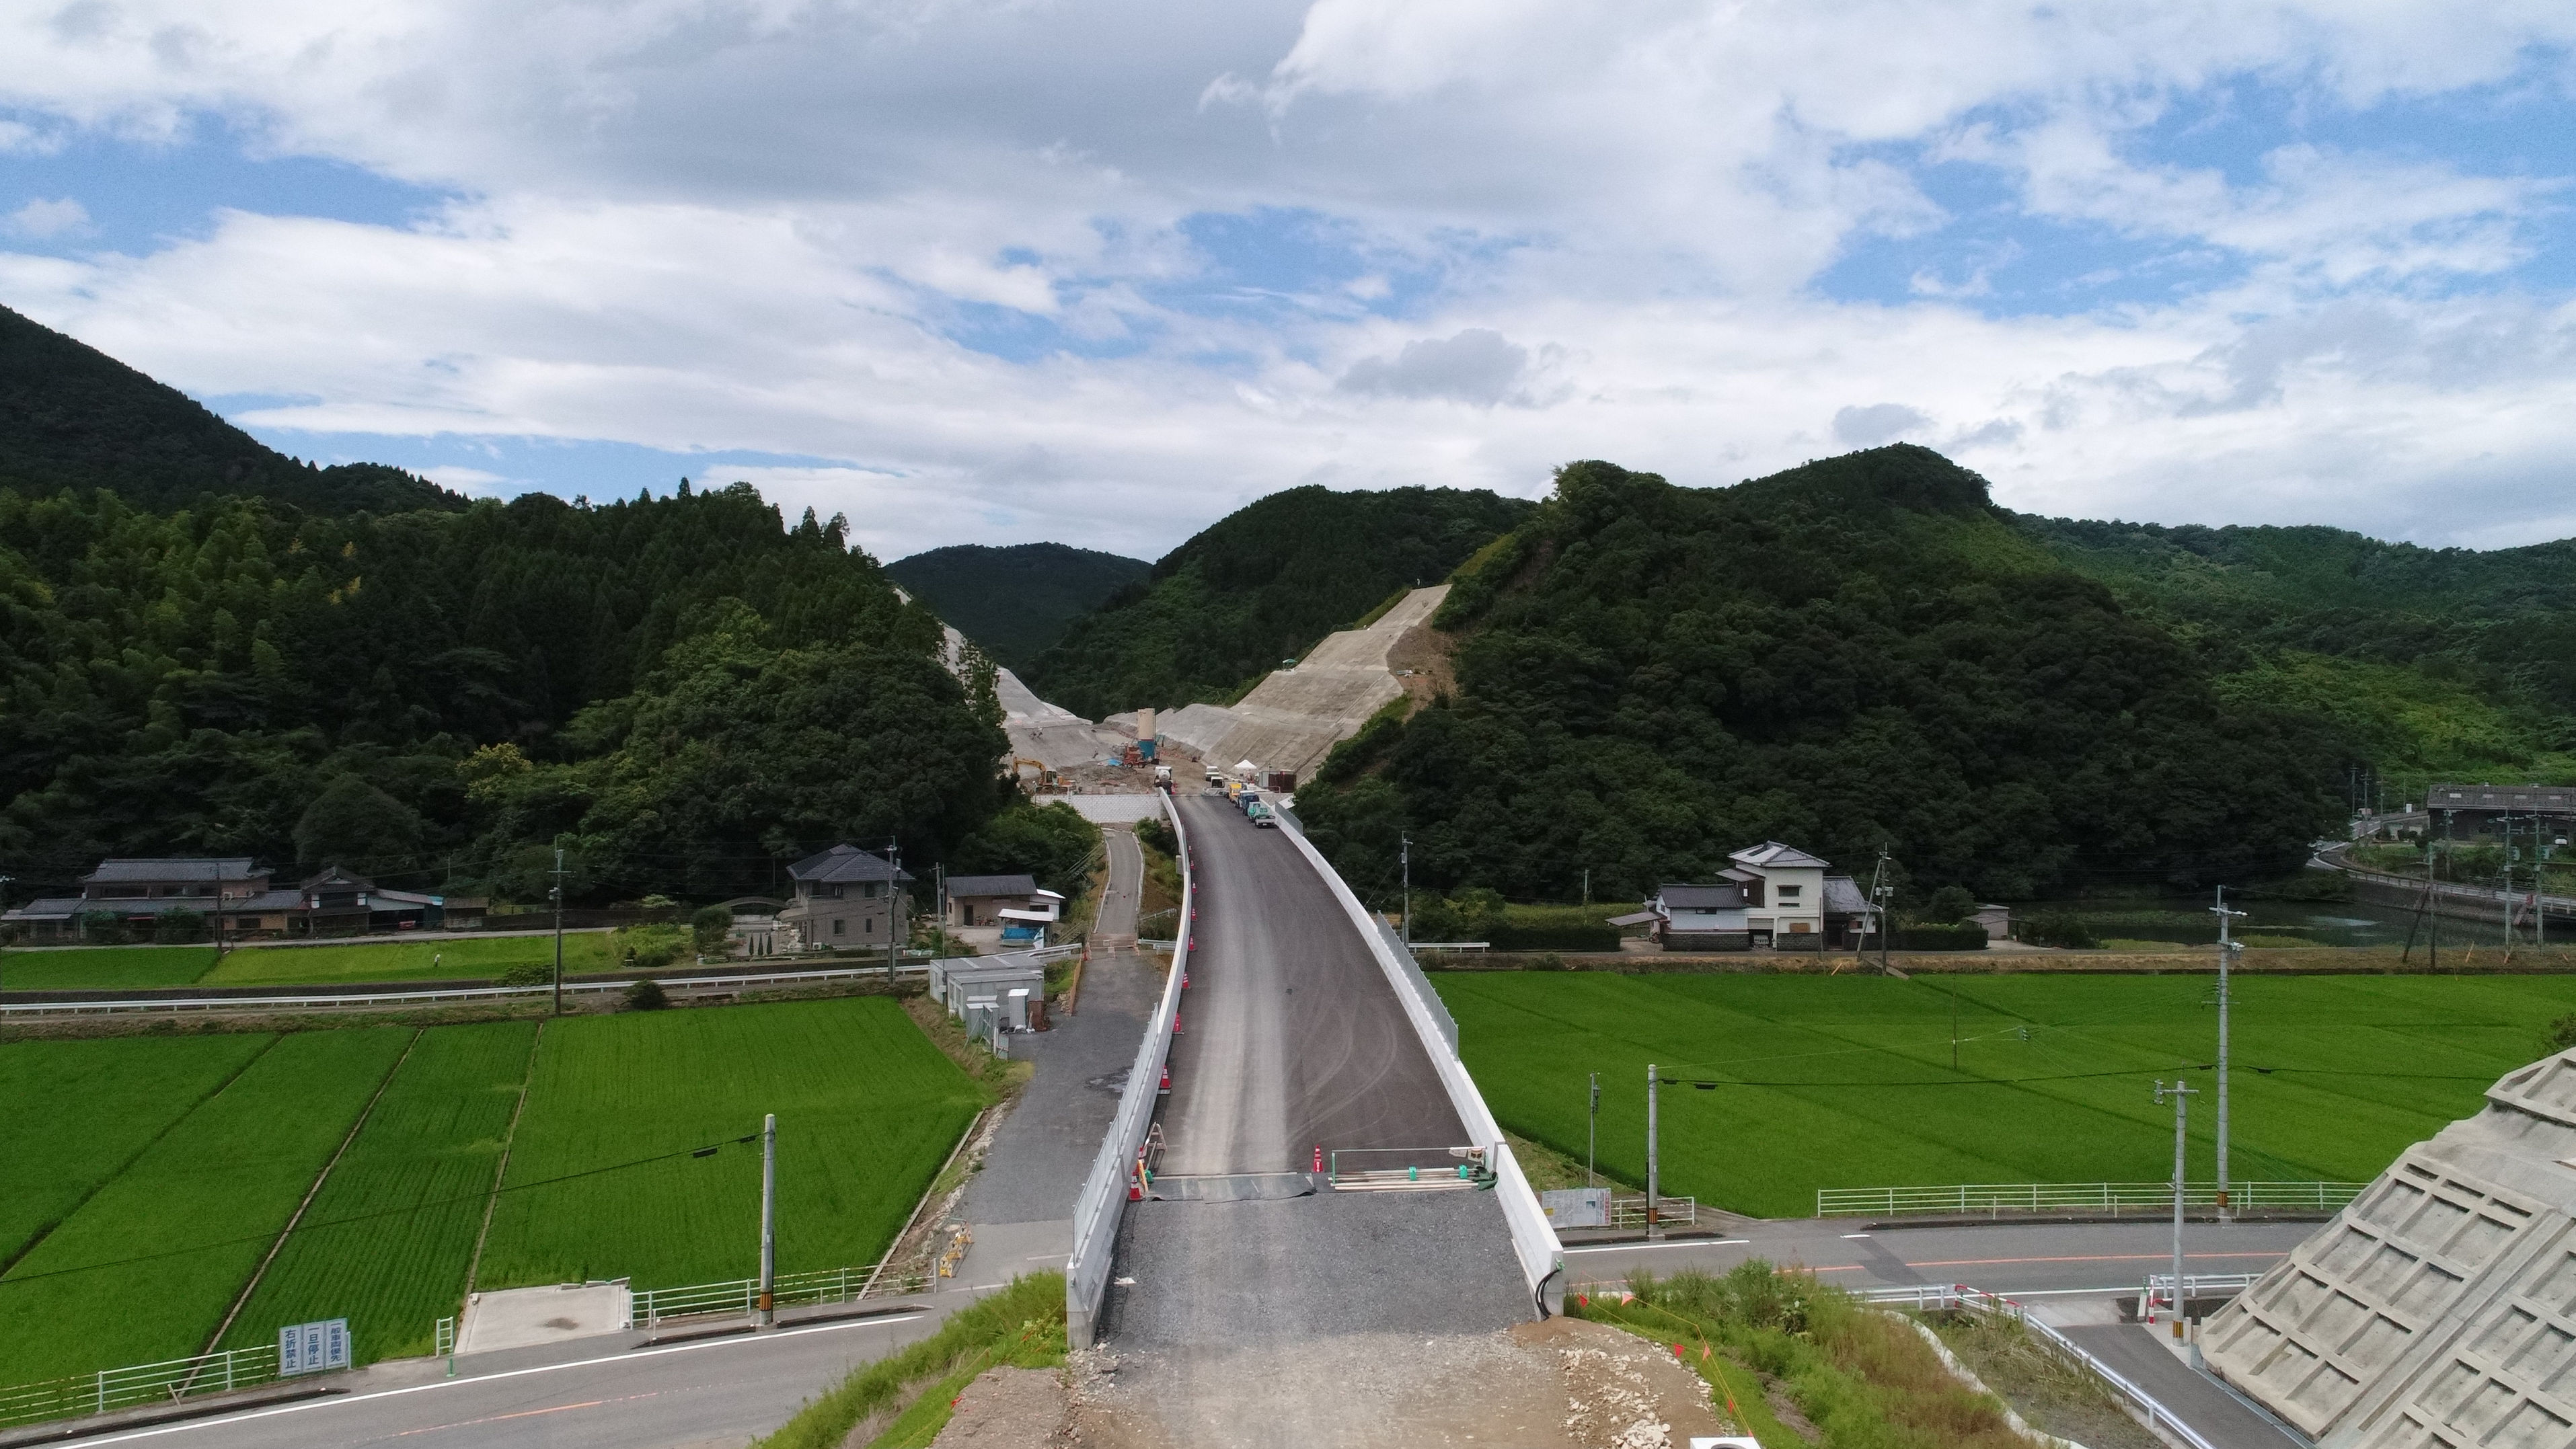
693, 687
73, 417
1261, 585
1856, 654
2437, 662
1014, 601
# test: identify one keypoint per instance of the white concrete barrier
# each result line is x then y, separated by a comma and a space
1104, 1193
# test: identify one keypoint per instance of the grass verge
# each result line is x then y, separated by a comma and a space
912, 1390
2052, 1395
1859, 1376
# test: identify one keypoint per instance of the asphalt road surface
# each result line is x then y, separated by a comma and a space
2007, 1258
1291, 1038
588, 1394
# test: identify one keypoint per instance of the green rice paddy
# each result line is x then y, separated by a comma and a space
1786, 1084
431, 958
171, 1164
867, 1109
103, 967
388, 1237
147, 1267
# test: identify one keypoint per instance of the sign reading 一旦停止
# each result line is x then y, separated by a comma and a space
310, 1348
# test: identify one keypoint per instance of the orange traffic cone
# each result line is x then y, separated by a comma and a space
1165, 1090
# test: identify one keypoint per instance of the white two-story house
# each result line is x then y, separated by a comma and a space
1774, 895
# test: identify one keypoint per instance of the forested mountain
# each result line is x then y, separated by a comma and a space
1261, 585
1862, 653
74, 417
687, 690
2449, 662
1014, 601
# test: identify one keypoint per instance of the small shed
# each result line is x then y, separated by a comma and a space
1011, 982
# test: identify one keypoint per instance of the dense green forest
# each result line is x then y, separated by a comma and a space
1856, 655
1261, 585
1014, 601
73, 417
2436, 663
685, 689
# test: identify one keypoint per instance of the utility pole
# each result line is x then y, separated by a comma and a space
939, 891
2227, 949
1654, 1219
4, 902
2182, 1096
1404, 861
1587, 885
769, 1223
1592, 1132
559, 895
894, 906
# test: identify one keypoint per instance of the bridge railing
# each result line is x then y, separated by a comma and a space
1104, 1192
1534, 1240
742, 1295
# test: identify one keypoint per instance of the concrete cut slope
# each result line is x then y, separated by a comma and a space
1292, 719
2440, 1308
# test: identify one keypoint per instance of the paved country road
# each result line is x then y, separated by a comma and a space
588, 1395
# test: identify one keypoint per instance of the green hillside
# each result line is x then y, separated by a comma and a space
2437, 663
1859, 653
1015, 601
1261, 585
73, 417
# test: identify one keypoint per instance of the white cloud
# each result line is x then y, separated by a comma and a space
44, 220
759, 225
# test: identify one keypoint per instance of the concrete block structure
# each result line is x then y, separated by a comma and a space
2439, 1310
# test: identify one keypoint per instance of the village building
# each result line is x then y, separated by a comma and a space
238, 898
1774, 895
845, 897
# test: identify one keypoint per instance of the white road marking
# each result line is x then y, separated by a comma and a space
1643, 1247
338, 1400
1849, 1236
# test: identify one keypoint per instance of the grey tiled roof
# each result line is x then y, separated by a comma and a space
843, 864
171, 868
992, 885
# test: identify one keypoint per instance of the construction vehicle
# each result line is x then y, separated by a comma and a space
1163, 776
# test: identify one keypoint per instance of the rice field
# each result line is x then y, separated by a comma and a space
432, 958
146, 1178
146, 1268
75, 968
388, 1238
79, 1111
1787, 1084
867, 1109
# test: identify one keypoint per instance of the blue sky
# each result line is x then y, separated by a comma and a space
998, 273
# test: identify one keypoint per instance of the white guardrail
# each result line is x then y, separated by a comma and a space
318, 1001
168, 1382
1534, 1241
2147, 1198
1104, 1193
742, 1295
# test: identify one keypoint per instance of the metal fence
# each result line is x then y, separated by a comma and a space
742, 1295
2144, 1198
1672, 1212
168, 1382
